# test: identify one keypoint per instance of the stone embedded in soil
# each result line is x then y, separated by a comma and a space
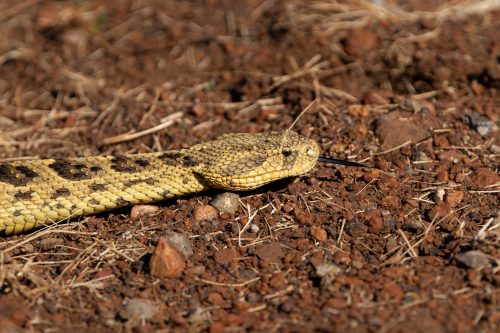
359, 42
139, 211
270, 252
391, 202
480, 123
204, 213
215, 299
327, 269
226, 202
483, 177
375, 222
225, 256
441, 209
454, 198
318, 233
387, 183
180, 242
371, 175
397, 127
304, 218
356, 229
139, 309
473, 259
167, 261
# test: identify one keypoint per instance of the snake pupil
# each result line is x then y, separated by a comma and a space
286, 152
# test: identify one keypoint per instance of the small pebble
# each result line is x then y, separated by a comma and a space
167, 261
453, 198
326, 269
318, 234
225, 256
139, 309
473, 259
254, 228
204, 213
480, 123
139, 211
226, 202
181, 243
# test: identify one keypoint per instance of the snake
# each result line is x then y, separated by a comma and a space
39, 192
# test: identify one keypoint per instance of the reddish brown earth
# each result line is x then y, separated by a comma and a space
412, 245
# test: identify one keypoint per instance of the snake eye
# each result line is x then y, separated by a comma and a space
286, 151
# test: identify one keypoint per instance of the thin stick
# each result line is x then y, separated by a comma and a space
127, 137
304, 111
241, 284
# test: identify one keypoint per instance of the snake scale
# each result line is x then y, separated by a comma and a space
34, 193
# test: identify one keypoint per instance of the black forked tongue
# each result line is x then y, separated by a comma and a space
343, 162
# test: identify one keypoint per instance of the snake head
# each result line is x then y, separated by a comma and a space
245, 161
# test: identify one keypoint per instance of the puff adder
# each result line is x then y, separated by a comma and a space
39, 192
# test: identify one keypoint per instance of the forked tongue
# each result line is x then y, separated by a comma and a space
343, 162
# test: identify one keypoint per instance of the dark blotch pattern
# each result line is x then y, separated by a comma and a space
243, 165
149, 181
95, 168
16, 175
170, 158
98, 187
93, 202
189, 162
122, 163
23, 195
122, 202
141, 162
71, 170
17, 213
61, 192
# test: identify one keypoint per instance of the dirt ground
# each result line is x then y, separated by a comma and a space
411, 87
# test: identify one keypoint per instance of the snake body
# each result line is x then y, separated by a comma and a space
34, 193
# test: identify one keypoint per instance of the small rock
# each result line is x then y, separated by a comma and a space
371, 175
50, 243
359, 42
453, 198
442, 176
473, 259
398, 127
326, 269
303, 217
226, 202
480, 123
318, 234
270, 252
483, 177
412, 226
254, 228
356, 229
180, 242
139, 309
205, 213
215, 299
391, 202
387, 183
440, 192
296, 188
167, 261
375, 221
225, 256
139, 211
